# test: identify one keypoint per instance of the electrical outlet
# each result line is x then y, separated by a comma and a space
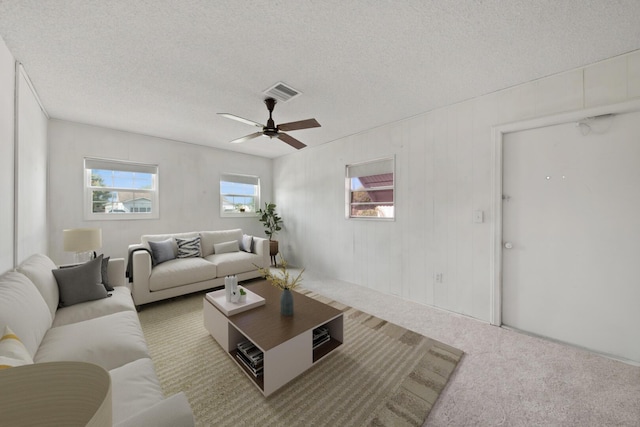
438, 277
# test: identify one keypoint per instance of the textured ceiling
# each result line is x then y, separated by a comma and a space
166, 67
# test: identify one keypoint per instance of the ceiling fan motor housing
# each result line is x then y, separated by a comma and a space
270, 129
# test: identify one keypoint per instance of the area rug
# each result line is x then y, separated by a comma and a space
383, 374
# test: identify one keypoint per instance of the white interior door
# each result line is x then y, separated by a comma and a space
571, 215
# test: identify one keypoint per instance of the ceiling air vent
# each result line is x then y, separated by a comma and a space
281, 92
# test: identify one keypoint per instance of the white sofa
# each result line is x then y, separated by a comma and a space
181, 276
105, 332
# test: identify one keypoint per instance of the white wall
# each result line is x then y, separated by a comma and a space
188, 180
7, 88
443, 174
23, 166
31, 173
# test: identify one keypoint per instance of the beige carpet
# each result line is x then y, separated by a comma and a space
382, 375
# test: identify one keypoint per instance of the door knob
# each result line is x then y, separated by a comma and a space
508, 245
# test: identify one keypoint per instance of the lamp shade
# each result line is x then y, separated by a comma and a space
82, 239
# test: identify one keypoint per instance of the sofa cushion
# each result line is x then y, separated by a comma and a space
234, 262
188, 248
23, 309
180, 272
134, 386
12, 351
119, 300
226, 247
210, 238
162, 251
81, 283
109, 341
38, 269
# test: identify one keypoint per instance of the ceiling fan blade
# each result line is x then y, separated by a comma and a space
291, 141
240, 119
246, 138
302, 124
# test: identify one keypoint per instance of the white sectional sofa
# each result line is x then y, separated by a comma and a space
222, 253
104, 331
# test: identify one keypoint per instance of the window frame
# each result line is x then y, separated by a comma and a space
241, 179
379, 166
93, 163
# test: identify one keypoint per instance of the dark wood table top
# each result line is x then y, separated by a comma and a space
267, 328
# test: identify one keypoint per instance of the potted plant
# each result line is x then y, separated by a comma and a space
271, 222
285, 282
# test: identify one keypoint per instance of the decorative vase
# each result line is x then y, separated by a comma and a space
286, 303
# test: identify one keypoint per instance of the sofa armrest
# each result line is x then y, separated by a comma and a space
141, 270
115, 271
261, 247
171, 412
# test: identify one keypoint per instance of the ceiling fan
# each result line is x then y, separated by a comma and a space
273, 131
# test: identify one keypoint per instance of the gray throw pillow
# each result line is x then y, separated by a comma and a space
81, 283
105, 274
162, 251
225, 247
247, 243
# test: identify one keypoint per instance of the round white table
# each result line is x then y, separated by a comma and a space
55, 394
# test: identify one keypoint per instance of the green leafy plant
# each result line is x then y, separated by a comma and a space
270, 219
242, 292
283, 279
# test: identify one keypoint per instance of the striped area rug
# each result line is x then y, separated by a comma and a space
383, 374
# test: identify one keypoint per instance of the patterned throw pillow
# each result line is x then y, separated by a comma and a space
189, 248
12, 351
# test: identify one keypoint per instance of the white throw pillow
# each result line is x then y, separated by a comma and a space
12, 351
247, 243
225, 247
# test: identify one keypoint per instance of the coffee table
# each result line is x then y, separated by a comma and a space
286, 341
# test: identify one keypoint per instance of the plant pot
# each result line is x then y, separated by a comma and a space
273, 251
286, 303
273, 247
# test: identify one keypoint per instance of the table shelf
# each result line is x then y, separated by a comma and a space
286, 341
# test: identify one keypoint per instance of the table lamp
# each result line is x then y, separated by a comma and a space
82, 241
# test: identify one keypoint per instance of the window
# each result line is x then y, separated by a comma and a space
370, 189
239, 195
120, 190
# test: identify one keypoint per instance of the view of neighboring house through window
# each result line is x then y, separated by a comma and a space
120, 190
370, 189
239, 195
